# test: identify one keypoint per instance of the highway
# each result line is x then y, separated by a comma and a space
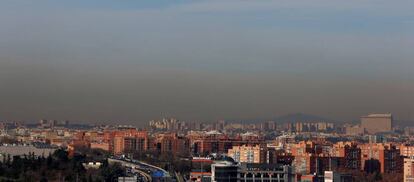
134, 168
143, 169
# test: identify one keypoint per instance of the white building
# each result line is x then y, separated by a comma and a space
409, 169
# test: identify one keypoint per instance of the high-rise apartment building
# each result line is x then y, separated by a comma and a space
129, 141
310, 164
248, 154
409, 169
376, 123
171, 143
407, 150
349, 153
386, 156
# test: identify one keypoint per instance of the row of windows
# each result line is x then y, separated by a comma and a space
265, 175
265, 180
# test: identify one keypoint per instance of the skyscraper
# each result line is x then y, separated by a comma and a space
375, 123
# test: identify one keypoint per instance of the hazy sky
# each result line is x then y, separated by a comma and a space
136, 60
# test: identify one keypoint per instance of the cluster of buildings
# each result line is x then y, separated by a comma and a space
175, 125
129, 140
372, 124
307, 160
266, 151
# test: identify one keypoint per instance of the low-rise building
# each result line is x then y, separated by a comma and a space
224, 171
266, 172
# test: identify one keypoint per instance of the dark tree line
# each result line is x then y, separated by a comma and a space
57, 166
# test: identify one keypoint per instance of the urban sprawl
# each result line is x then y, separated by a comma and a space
375, 149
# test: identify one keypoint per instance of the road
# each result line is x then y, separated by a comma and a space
134, 168
141, 168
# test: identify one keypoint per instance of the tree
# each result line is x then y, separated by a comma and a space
49, 161
90, 179
377, 176
112, 171
61, 155
44, 179
8, 160
54, 167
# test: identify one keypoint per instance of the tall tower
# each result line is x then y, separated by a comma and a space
376, 123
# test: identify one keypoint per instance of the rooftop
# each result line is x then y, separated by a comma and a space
379, 115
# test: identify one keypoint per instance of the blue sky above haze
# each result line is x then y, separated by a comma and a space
135, 60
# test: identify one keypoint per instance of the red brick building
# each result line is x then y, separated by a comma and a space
387, 155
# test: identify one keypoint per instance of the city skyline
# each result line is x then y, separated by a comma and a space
369, 150
207, 90
205, 60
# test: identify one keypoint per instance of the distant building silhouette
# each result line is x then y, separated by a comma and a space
376, 123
